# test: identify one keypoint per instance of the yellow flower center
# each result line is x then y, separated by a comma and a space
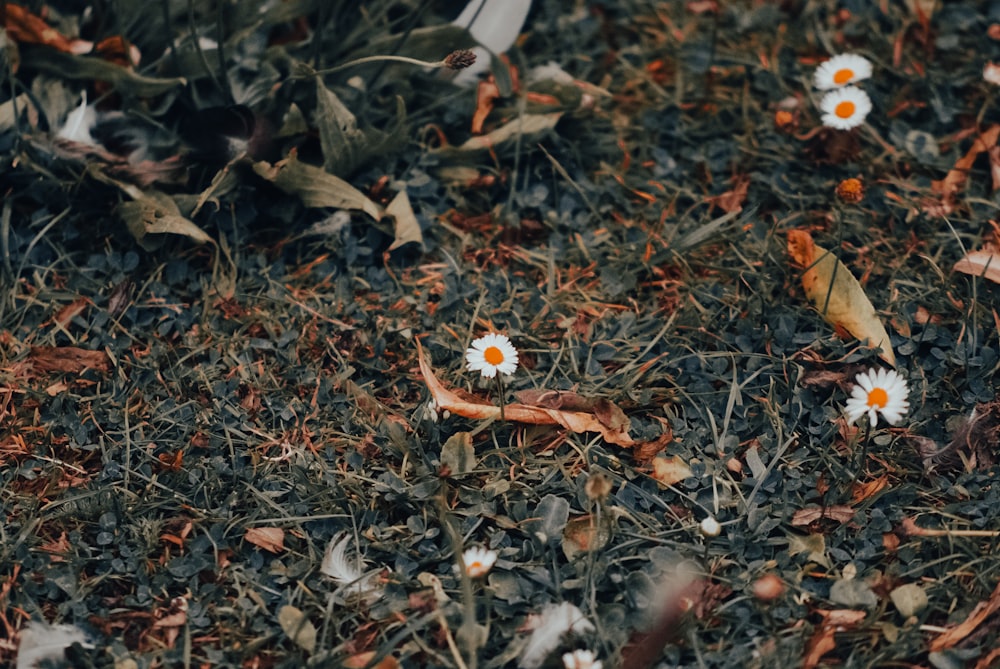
878, 398
844, 109
493, 355
843, 76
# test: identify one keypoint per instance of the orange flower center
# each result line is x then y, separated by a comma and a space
475, 565
843, 76
878, 398
493, 355
845, 109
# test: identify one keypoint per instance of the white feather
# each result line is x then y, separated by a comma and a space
47, 642
554, 622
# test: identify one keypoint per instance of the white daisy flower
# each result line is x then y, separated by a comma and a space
845, 108
581, 659
882, 391
842, 69
491, 354
478, 561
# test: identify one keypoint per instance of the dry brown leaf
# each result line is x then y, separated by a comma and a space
271, 539
823, 641
406, 227
984, 263
586, 533
837, 512
71, 311
670, 470
606, 411
956, 634
955, 179
525, 124
575, 421
362, 660
68, 359
315, 186
733, 199
837, 295
863, 491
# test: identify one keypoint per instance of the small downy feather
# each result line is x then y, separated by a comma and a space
40, 641
554, 622
348, 572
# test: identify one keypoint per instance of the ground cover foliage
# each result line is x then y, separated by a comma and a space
209, 372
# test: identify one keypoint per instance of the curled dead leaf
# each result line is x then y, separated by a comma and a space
837, 295
575, 421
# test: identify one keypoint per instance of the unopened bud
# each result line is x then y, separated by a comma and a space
459, 60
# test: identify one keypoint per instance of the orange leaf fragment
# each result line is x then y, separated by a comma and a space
27, 28
985, 263
956, 634
954, 181
837, 295
271, 539
575, 421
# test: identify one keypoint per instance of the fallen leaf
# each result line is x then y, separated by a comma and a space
862, 491
585, 534
363, 661
71, 311
909, 599
733, 199
406, 227
67, 359
668, 470
837, 512
150, 214
837, 295
523, 125
487, 93
314, 186
956, 634
575, 421
271, 539
954, 181
27, 28
606, 411
457, 455
157, 214
985, 263
297, 627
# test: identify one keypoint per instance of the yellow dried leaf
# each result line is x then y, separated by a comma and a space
670, 470
837, 295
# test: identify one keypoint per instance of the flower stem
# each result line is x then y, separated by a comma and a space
500, 392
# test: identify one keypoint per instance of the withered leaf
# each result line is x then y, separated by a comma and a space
837, 295
271, 539
68, 359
